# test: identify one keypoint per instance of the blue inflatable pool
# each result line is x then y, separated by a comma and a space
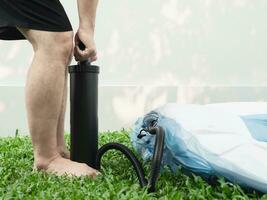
223, 139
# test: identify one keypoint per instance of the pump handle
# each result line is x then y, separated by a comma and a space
82, 47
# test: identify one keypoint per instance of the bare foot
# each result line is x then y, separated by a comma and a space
62, 166
64, 152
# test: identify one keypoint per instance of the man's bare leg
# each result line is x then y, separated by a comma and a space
62, 148
44, 95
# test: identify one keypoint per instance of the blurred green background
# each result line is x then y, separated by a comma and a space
154, 51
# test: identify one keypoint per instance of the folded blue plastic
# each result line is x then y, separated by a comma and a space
223, 139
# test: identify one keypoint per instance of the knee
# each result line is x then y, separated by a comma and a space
64, 47
59, 47
67, 47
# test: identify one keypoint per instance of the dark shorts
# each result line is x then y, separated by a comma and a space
46, 15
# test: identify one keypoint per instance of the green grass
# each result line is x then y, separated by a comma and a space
18, 181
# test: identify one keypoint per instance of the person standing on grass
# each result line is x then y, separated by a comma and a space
46, 26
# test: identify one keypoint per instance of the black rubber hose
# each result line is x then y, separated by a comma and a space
127, 152
157, 156
156, 159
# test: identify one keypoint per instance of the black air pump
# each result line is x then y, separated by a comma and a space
84, 126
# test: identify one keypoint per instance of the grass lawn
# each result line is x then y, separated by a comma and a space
118, 181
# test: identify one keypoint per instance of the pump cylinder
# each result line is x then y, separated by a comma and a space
84, 112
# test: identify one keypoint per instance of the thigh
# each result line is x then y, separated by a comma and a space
47, 39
